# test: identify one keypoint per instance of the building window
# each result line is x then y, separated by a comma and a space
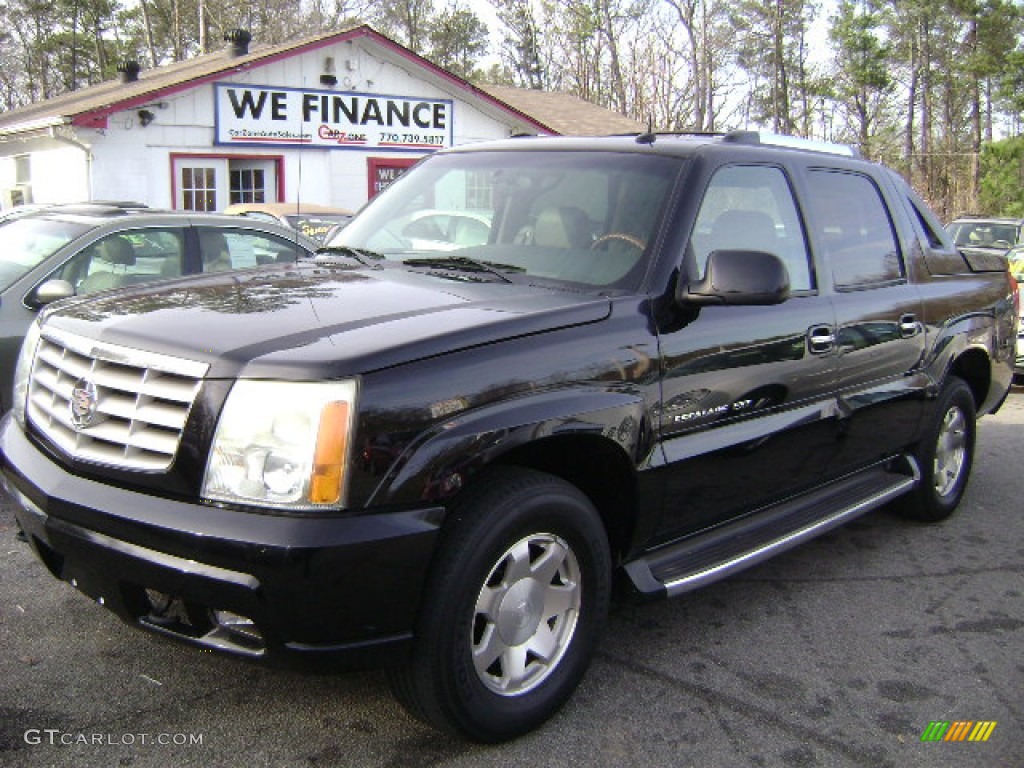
478, 190
248, 185
199, 189
384, 171
22, 169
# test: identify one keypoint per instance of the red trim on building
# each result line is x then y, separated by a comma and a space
374, 165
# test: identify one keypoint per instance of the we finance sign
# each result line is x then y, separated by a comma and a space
258, 115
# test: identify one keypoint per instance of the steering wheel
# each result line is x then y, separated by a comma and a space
625, 237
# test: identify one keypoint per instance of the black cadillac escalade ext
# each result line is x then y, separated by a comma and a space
527, 372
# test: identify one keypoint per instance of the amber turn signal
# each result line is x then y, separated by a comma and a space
325, 482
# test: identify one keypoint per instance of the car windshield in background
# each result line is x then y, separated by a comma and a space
984, 234
27, 242
579, 217
317, 226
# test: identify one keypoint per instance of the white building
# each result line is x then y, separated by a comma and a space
327, 120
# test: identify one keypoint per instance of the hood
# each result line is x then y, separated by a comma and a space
321, 321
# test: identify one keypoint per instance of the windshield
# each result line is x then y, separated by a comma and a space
317, 225
27, 242
579, 217
984, 234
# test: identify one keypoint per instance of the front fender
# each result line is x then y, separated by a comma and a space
443, 460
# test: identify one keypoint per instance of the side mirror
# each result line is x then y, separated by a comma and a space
737, 277
51, 291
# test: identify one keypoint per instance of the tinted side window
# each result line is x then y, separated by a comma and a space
750, 207
928, 224
935, 234
852, 225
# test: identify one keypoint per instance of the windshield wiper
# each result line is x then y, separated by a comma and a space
468, 264
363, 256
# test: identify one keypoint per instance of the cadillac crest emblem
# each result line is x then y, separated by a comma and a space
84, 403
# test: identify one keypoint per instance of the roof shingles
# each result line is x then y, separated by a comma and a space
560, 112
564, 113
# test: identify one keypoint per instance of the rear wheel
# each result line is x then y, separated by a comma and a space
945, 456
513, 609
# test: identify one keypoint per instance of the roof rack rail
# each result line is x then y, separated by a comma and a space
764, 138
649, 137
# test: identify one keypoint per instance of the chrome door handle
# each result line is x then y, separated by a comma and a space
821, 339
909, 326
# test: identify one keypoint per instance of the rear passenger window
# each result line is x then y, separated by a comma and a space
227, 249
750, 207
852, 225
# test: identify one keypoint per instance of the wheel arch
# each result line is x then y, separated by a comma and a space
975, 368
596, 466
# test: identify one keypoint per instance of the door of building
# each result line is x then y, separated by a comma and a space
206, 183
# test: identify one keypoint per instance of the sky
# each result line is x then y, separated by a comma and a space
486, 13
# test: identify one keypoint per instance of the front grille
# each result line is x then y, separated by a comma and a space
138, 401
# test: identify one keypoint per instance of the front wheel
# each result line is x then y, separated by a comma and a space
945, 456
513, 609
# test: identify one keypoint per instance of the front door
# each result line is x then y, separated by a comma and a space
210, 184
749, 393
252, 181
201, 184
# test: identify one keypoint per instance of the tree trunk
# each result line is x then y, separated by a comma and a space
975, 86
154, 57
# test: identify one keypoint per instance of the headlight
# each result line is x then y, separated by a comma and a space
282, 444
23, 371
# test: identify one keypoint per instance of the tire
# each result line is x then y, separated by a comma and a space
945, 456
533, 638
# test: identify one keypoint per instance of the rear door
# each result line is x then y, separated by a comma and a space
880, 326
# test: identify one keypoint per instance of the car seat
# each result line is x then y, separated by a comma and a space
562, 227
111, 259
214, 249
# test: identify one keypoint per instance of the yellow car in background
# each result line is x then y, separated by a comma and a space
314, 221
1015, 262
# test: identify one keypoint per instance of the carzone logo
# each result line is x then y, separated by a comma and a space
958, 730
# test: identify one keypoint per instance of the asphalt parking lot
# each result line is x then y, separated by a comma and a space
839, 653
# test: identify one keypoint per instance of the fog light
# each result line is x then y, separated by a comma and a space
242, 627
159, 602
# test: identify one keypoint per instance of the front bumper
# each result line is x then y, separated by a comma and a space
272, 586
